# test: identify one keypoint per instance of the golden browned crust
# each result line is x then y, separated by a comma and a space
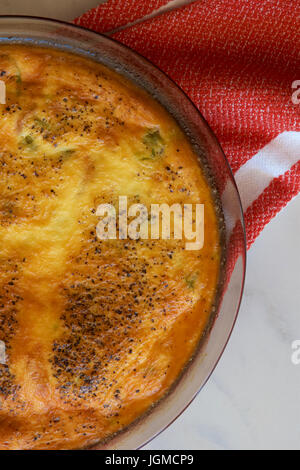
95, 331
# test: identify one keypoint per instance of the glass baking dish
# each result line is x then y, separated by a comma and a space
60, 35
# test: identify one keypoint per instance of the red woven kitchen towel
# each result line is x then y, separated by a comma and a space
239, 61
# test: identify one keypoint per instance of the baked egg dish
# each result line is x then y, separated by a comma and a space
94, 332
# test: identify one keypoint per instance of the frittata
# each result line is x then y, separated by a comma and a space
93, 332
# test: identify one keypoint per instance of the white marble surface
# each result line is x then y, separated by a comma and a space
61, 10
252, 399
